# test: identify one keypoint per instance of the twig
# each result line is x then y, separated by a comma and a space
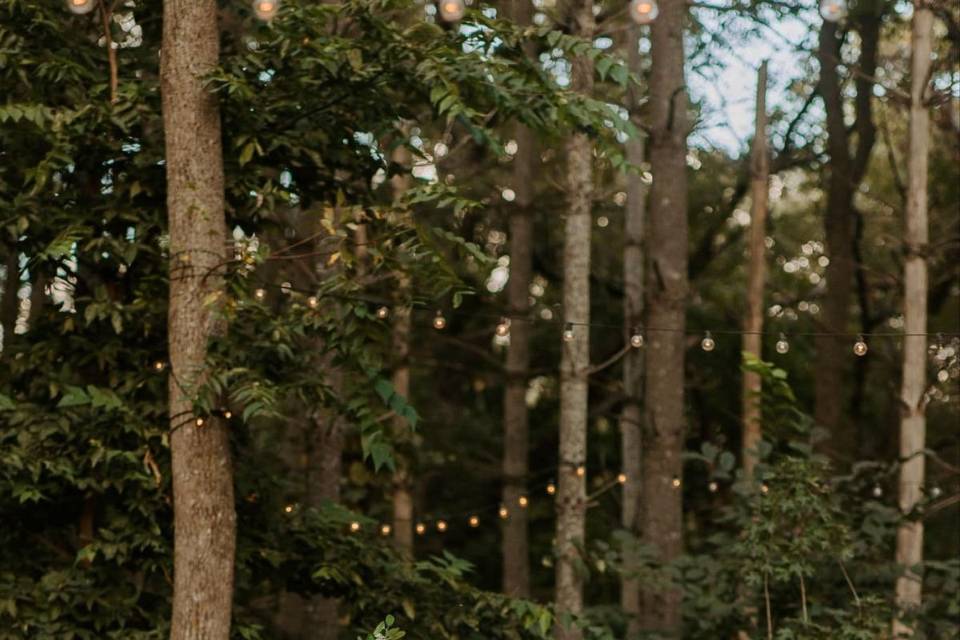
106, 14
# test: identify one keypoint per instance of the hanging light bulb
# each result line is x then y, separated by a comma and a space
260, 294
313, 302
877, 491
523, 501
860, 346
266, 10
636, 339
708, 343
935, 492
439, 322
383, 313
581, 471
441, 525
644, 11
421, 528
452, 10
81, 7
503, 329
675, 482
622, 478
713, 486
354, 526
227, 414
764, 488
385, 529
159, 365
199, 422
503, 512
474, 522
551, 488
288, 508
782, 345
568, 332
833, 10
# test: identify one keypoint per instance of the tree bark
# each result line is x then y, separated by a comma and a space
575, 362
665, 305
846, 170
913, 425
402, 482
631, 414
202, 473
756, 275
516, 546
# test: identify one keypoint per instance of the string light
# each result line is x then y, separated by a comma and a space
636, 339
313, 302
439, 322
385, 529
713, 486
675, 483
354, 526
644, 11
441, 525
860, 346
199, 422
266, 9
503, 329
877, 491
260, 294
474, 522
708, 343
383, 313
551, 488
622, 478
782, 345
288, 508
159, 365
581, 471
568, 332
81, 7
833, 10
227, 414
523, 501
452, 10
421, 528
935, 492
503, 512
764, 488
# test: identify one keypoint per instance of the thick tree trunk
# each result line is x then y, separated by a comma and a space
666, 292
846, 171
913, 425
575, 363
631, 415
516, 546
756, 275
202, 473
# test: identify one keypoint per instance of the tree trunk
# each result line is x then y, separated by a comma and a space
402, 482
846, 172
756, 275
202, 473
575, 363
913, 425
516, 547
666, 293
631, 415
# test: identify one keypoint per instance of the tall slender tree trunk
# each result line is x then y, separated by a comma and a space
516, 547
913, 424
202, 473
575, 363
402, 480
631, 414
756, 275
846, 170
666, 293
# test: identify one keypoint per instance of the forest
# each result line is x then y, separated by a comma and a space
479, 319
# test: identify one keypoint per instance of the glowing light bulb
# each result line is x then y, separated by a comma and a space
452, 10
199, 422
877, 491
313, 302
764, 488
622, 478
568, 332
833, 10
713, 486
81, 7
644, 11
581, 471
385, 529
523, 501
383, 313
421, 528
227, 414
439, 322
503, 328
354, 526
441, 525
782, 345
551, 488
159, 365
675, 482
266, 10
288, 508
474, 522
708, 343
260, 294
860, 347
636, 339
503, 512
935, 492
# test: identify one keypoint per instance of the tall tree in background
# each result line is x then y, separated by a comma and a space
204, 514
516, 551
575, 362
631, 416
665, 305
913, 423
847, 168
756, 274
